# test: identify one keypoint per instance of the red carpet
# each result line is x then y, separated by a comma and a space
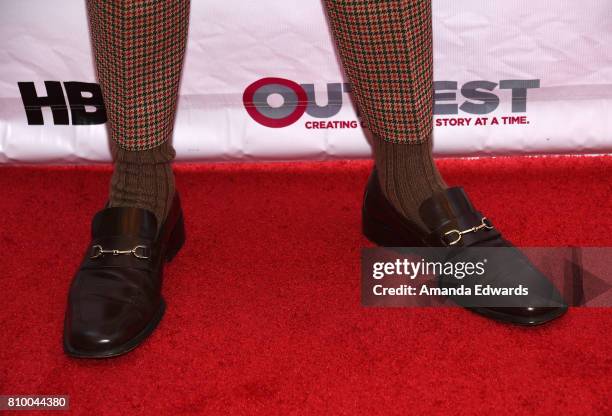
264, 314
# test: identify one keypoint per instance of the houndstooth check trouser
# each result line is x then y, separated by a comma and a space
385, 47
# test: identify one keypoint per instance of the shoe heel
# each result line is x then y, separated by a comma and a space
176, 239
382, 235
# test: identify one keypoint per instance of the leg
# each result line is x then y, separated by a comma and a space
386, 51
139, 48
115, 298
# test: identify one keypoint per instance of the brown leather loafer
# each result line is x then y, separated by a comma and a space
115, 299
453, 222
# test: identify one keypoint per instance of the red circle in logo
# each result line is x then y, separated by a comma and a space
300, 108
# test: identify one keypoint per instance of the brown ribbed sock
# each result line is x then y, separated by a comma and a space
387, 53
408, 175
143, 179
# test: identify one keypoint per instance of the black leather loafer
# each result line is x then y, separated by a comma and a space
115, 299
453, 222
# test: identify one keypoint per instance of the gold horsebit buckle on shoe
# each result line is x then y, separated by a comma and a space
140, 252
458, 234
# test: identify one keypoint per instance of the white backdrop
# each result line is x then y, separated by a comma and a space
560, 48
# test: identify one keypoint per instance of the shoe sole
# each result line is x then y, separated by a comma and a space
509, 319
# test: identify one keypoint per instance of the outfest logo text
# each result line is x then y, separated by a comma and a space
465, 105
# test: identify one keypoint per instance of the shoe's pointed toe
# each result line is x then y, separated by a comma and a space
108, 334
102, 319
93, 341
538, 309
